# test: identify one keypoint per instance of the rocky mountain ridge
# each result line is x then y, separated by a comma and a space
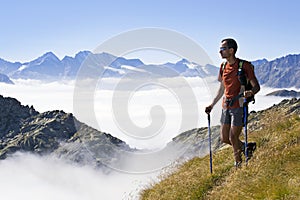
282, 72
22, 128
285, 93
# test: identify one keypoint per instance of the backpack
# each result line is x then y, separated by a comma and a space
242, 78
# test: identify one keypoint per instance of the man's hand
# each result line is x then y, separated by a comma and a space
208, 109
248, 93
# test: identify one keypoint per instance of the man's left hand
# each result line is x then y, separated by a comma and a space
248, 93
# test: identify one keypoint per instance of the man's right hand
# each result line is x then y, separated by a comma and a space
208, 109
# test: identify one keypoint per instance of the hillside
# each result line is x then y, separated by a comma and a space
273, 172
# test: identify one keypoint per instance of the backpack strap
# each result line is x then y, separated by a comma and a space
244, 80
241, 74
223, 67
241, 65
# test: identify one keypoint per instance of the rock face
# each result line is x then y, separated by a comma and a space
288, 107
22, 128
285, 93
196, 141
12, 115
89, 146
39, 133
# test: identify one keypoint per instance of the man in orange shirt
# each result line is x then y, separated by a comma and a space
231, 88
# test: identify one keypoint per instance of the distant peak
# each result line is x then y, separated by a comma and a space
105, 54
49, 55
82, 54
85, 53
183, 60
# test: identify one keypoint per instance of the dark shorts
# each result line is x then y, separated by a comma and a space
232, 116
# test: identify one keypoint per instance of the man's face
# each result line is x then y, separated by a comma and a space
224, 50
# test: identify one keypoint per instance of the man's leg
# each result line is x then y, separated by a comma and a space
225, 130
234, 135
225, 126
235, 131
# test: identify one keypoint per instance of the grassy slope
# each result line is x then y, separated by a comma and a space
273, 172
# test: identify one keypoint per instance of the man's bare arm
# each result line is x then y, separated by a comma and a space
216, 99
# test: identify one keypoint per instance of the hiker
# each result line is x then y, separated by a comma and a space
234, 94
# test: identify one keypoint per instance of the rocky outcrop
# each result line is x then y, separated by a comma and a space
12, 115
92, 147
196, 141
39, 133
288, 107
284, 93
22, 128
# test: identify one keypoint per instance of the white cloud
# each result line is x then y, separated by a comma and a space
30, 177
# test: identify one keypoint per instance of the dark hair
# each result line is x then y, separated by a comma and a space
231, 43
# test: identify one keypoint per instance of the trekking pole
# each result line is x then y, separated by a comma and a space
209, 138
245, 105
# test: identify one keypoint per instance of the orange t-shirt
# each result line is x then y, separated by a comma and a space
232, 85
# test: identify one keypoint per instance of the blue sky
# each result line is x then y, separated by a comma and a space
262, 28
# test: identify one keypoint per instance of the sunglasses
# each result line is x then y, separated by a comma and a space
224, 48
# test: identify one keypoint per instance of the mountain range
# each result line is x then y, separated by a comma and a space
282, 72
49, 67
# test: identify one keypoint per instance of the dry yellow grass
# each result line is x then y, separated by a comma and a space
192, 180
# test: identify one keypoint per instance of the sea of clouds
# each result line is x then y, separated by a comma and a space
31, 177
